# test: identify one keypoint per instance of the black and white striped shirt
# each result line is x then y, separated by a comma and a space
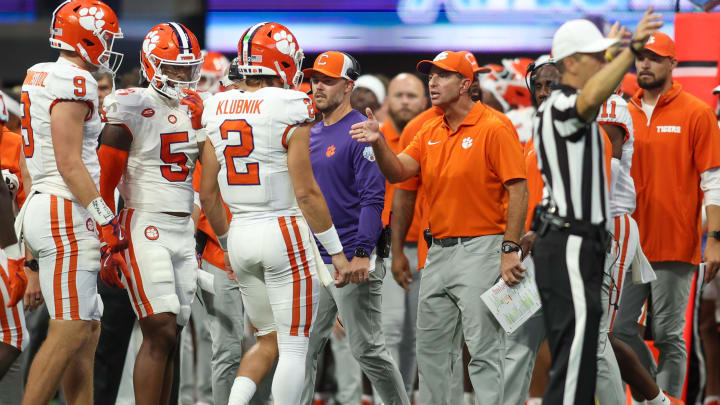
571, 158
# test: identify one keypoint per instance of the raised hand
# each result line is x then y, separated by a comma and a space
366, 131
195, 106
648, 25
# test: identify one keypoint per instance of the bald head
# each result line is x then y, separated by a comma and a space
406, 99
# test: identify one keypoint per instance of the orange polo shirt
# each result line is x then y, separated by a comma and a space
673, 147
393, 140
464, 172
11, 146
420, 221
213, 254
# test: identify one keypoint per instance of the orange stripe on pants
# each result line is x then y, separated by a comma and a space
72, 272
6, 335
59, 257
136, 270
308, 278
130, 288
294, 325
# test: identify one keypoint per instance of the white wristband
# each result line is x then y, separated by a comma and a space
100, 211
330, 241
222, 241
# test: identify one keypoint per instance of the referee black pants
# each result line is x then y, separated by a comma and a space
569, 270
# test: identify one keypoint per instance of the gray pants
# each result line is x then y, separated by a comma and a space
453, 280
669, 297
13, 383
399, 318
360, 307
521, 348
348, 374
609, 388
226, 331
195, 377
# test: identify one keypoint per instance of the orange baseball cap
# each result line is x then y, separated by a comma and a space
473, 62
334, 64
661, 44
450, 61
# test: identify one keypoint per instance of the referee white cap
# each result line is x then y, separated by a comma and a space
579, 36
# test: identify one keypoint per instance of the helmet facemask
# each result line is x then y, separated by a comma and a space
171, 77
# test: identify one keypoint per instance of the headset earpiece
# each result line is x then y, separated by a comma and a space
354, 71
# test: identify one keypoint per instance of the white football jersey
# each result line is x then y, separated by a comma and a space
522, 119
45, 85
163, 152
622, 188
250, 131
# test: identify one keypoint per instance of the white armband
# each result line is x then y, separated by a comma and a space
710, 185
330, 241
100, 211
222, 241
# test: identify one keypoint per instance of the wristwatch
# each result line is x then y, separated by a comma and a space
509, 246
361, 252
714, 234
32, 265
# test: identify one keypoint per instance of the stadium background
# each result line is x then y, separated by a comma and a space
386, 36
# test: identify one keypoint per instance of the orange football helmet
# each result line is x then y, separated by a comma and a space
170, 59
213, 69
88, 28
271, 49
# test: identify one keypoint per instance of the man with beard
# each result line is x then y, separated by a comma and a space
354, 188
677, 147
406, 99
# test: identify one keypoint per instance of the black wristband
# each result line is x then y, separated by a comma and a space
32, 265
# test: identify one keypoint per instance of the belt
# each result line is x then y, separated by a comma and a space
447, 242
575, 227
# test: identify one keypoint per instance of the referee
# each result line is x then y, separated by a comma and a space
569, 252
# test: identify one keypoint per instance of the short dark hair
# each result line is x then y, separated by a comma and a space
254, 81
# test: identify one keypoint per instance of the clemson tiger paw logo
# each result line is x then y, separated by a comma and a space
91, 18
285, 43
441, 56
150, 42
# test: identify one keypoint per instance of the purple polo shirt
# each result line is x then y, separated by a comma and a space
351, 182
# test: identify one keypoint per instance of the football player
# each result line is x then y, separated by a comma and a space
12, 276
257, 157
213, 69
149, 147
60, 127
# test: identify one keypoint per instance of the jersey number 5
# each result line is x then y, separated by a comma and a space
180, 159
251, 176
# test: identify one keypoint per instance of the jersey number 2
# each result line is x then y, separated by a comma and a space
251, 176
180, 159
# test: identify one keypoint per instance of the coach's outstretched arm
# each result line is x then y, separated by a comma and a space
395, 168
604, 82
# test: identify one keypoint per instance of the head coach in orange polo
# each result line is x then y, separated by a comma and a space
473, 171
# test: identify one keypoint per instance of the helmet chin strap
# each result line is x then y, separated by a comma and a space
282, 75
